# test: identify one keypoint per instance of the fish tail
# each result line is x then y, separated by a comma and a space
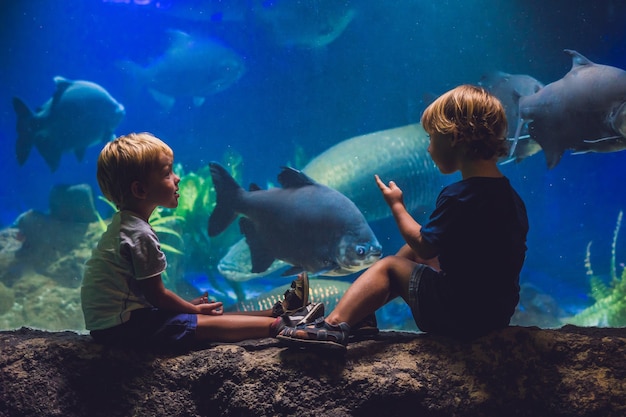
25, 138
227, 191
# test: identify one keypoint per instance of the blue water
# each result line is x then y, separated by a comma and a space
377, 74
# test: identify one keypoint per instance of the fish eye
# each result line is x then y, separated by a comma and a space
360, 250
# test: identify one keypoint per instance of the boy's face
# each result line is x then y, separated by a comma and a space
443, 152
162, 186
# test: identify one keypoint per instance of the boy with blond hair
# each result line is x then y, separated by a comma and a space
123, 298
459, 273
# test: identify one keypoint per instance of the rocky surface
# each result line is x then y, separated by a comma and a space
519, 371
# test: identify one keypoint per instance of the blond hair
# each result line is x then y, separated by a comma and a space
471, 115
127, 159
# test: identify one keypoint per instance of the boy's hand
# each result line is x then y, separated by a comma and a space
211, 309
392, 193
203, 299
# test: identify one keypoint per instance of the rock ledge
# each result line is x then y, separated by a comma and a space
519, 371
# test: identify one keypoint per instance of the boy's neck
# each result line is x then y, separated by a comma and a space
480, 168
139, 210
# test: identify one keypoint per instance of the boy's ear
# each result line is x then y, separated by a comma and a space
456, 139
137, 189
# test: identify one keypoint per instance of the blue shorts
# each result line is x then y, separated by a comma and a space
151, 327
435, 312
424, 301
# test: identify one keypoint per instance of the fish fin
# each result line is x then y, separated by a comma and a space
261, 257
62, 82
553, 157
328, 271
606, 139
164, 100
50, 153
178, 38
25, 139
294, 270
506, 161
198, 101
226, 189
518, 130
578, 60
62, 85
292, 178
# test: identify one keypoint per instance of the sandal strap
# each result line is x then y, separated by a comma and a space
319, 330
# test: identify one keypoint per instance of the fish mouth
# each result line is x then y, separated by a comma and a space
356, 265
618, 120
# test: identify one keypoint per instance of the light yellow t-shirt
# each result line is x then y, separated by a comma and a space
128, 251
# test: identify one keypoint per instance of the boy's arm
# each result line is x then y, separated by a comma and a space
411, 232
159, 296
409, 228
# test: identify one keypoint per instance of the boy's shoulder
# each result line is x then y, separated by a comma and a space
476, 186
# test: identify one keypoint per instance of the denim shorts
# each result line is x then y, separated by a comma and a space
424, 300
434, 311
151, 327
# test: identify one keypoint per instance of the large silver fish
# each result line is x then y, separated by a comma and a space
308, 225
585, 111
78, 115
325, 291
191, 67
399, 154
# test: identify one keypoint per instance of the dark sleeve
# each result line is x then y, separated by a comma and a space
441, 220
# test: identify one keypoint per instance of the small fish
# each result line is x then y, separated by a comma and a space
325, 291
78, 115
191, 67
72, 203
305, 24
509, 88
308, 225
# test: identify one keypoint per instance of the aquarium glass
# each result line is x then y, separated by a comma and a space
256, 85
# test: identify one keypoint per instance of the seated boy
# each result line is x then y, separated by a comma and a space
123, 297
459, 273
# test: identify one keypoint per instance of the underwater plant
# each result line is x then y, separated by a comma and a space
609, 308
197, 200
157, 220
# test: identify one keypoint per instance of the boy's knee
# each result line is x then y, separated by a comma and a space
383, 265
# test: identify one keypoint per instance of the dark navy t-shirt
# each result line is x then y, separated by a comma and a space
479, 226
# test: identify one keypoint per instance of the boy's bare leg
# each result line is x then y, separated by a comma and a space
232, 327
382, 282
258, 313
